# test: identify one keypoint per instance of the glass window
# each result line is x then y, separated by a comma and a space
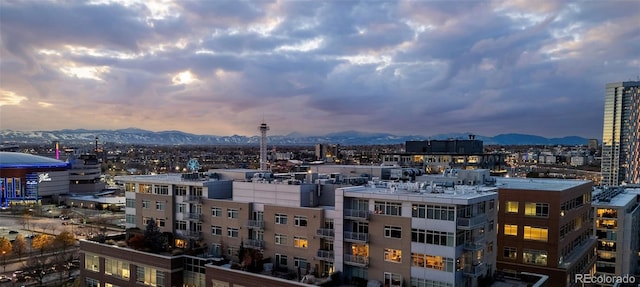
300, 221
216, 212
90, 282
511, 229
537, 257
511, 206
393, 255
535, 233
232, 213
392, 280
159, 205
300, 242
510, 252
91, 262
536, 209
232, 232
216, 230
392, 231
281, 218
281, 239
117, 268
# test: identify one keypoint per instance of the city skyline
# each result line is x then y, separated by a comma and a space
222, 68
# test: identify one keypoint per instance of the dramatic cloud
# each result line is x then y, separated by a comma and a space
315, 67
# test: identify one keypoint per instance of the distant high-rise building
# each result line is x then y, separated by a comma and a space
621, 134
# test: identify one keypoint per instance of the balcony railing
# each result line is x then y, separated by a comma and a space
254, 243
356, 260
191, 233
195, 216
356, 236
326, 255
194, 198
356, 214
473, 246
472, 222
325, 232
255, 224
475, 270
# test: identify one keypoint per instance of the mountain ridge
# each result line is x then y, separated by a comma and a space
173, 137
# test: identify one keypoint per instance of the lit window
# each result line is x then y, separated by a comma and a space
511, 229
91, 262
300, 242
537, 257
511, 206
535, 233
393, 255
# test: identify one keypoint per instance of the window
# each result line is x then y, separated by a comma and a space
393, 255
181, 208
511, 206
536, 209
149, 276
90, 282
130, 218
392, 279
216, 230
510, 252
300, 242
281, 218
130, 202
300, 220
537, 257
492, 204
281, 260
536, 233
432, 237
299, 262
159, 205
392, 231
116, 268
491, 225
181, 225
146, 204
232, 232
281, 239
419, 282
181, 190
388, 208
437, 212
91, 262
511, 229
432, 262
232, 213
161, 189
110, 285
160, 222
216, 212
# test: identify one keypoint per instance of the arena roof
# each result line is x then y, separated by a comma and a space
25, 160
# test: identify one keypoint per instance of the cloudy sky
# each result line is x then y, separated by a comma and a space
314, 67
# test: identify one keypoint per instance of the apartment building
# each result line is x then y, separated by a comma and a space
617, 228
546, 227
398, 234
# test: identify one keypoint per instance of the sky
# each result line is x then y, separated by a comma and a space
217, 67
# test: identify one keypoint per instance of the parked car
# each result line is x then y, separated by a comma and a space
13, 232
4, 278
19, 275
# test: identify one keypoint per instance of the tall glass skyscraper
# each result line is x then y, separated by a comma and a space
621, 134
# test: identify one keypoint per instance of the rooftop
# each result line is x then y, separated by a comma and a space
619, 200
25, 160
422, 191
544, 184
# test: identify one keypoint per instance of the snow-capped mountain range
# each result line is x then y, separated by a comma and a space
144, 137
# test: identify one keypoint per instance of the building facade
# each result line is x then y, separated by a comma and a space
546, 227
621, 134
617, 228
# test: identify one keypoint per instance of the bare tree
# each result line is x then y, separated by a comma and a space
24, 221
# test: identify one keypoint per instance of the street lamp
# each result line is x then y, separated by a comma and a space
4, 260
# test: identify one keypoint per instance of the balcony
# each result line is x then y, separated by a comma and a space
475, 270
255, 224
326, 255
356, 260
325, 232
358, 237
195, 216
194, 198
254, 243
193, 234
355, 214
472, 222
473, 246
